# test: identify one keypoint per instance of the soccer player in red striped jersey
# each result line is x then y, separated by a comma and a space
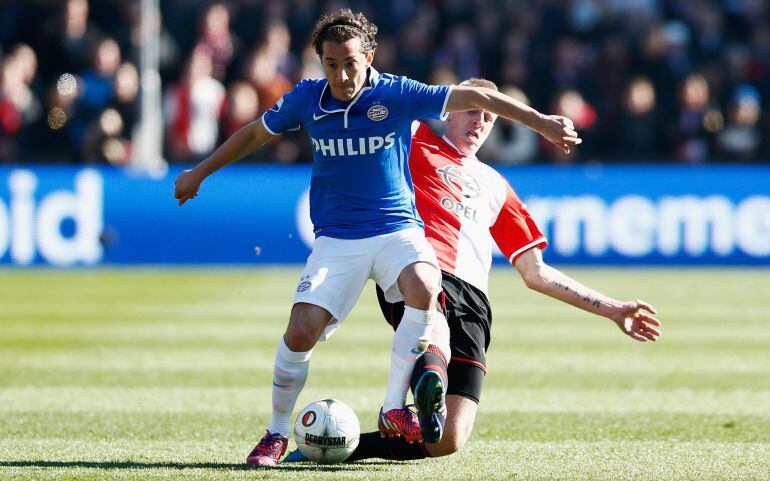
466, 206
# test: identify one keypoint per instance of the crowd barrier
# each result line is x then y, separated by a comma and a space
256, 214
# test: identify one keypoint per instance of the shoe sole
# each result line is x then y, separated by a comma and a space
295, 456
428, 398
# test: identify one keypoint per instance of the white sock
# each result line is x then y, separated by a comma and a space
409, 343
289, 376
439, 336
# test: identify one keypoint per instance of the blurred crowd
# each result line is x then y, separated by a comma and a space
644, 80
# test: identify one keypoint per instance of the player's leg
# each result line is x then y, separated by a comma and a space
329, 287
429, 383
428, 374
292, 361
469, 337
307, 323
461, 415
465, 383
430, 368
454, 432
459, 425
469, 319
419, 285
407, 270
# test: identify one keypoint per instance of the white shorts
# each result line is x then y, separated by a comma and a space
337, 270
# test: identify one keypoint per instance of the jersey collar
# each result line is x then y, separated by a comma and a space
451, 144
373, 78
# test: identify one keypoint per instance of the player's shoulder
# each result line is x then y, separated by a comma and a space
299, 100
490, 171
492, 178
397, 83
389, 79
311, 86
424, 138
506, 188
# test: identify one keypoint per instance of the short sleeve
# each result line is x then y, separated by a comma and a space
286, 114
515, 231
425, 101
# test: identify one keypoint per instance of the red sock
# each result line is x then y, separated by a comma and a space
432, 360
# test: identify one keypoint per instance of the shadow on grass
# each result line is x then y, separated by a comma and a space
298, 467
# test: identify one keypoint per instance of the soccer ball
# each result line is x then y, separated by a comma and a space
327, 431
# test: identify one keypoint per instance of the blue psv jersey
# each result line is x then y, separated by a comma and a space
360, 186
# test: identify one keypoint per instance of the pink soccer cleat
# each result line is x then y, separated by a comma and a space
400, 422
269, 450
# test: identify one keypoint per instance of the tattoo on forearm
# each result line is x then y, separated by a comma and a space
595, 302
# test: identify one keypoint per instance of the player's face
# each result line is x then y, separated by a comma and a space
345, 66
468, 130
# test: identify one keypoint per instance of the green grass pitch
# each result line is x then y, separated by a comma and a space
165, 374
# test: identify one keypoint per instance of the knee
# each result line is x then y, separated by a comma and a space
450, 443
305, 327
300, 337
455, 444
421, 291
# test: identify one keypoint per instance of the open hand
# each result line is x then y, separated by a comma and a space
632, 319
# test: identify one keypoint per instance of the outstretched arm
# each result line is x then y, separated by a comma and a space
557, 129
245, 141
629, 316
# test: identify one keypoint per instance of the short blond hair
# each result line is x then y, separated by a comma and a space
478, 82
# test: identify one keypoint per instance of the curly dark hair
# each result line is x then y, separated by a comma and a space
341, 26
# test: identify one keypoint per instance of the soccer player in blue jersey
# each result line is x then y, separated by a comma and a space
363, 211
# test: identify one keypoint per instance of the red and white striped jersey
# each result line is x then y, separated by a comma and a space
466, 205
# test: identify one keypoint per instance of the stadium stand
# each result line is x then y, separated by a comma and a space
684, 81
